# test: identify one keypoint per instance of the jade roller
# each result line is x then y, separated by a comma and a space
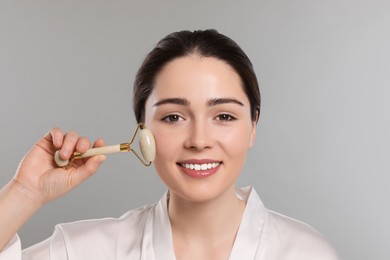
147, 146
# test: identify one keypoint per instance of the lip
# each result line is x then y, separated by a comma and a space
199, 161
199, 174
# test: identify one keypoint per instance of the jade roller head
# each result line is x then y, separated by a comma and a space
147, 147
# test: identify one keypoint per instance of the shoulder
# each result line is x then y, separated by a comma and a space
297, 239
127, 228
94, 238
133, 217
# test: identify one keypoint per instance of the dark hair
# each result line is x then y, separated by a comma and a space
207, 43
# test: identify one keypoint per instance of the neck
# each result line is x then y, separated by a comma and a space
210, 222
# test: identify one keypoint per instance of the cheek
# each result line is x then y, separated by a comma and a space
167, 145
236, 141
168, 150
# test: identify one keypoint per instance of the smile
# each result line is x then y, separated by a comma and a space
200, 167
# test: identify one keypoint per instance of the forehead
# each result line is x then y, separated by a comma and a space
195, 77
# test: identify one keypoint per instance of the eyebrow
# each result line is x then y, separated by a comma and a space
186, 102
220, 101
175, 101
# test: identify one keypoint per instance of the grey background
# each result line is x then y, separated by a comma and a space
322, 149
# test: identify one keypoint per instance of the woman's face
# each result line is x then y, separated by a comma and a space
200, 118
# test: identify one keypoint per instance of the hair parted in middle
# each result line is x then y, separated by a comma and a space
205, 43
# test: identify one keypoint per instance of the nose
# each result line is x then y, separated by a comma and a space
199, 136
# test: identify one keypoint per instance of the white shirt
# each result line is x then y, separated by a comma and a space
145, 233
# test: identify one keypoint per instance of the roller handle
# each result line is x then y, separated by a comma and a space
147, 146
92, 152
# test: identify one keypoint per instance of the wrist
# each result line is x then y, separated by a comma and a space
16, 207
18, 198
26, 197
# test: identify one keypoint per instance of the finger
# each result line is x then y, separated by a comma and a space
69, 144
56, 137
87, 169
83, 144
99, 143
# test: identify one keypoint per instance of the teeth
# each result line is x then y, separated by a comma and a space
198, 167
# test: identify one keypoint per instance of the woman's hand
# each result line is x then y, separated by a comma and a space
39, 175
39, 180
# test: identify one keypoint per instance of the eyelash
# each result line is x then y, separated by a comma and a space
225, 118
171, 119
174, 118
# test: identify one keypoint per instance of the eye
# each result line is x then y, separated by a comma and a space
225, 118
173, 118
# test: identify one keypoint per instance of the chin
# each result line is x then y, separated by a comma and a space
200, 192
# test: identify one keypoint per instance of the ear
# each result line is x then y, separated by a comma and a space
253, 135
253, 132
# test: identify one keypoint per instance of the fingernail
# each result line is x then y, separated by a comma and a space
65, 152
82, 146
57, 141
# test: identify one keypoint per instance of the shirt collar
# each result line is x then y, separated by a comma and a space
249, 233
158, 232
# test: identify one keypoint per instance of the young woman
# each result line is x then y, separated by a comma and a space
198, 94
